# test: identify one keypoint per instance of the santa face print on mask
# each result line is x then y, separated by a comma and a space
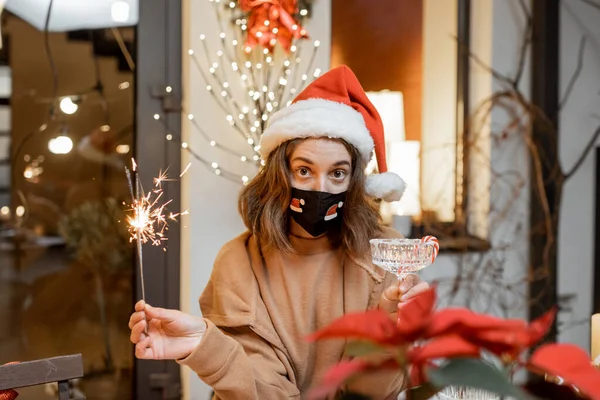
317, 212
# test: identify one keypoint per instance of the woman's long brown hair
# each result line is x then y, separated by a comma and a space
264, 203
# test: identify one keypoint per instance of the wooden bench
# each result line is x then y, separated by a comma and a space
39, 372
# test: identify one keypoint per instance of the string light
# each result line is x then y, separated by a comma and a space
265, 83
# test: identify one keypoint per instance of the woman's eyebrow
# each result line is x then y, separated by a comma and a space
340, 163
303, 159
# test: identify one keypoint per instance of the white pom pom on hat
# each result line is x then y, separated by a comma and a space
336, 106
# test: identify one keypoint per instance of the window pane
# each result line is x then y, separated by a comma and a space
66, 265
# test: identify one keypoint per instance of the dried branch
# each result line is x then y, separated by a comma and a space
527, 38
592, 3
500, 77
575, 75
583, 155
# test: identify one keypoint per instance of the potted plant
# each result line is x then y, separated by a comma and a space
458, 348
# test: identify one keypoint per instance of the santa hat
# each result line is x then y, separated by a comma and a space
336, 106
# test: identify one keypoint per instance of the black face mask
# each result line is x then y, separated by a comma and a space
317, 212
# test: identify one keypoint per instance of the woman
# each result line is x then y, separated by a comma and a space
304, 261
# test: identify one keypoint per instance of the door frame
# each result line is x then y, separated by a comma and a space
158, 55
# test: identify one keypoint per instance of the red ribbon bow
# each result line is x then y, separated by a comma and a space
9, 394
270, 22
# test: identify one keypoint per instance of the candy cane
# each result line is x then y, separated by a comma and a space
436, 245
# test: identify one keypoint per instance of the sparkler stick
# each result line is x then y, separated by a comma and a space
148, 221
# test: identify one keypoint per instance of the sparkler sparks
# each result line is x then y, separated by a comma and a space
148, 219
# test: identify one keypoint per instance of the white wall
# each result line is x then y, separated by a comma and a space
212, 200
578, 121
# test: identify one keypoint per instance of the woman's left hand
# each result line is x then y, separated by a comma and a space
397, 294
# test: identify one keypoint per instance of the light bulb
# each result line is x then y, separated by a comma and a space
169, 89
250, 141
317, 43
60, 145
5, 210
20, 211
123, 149
215, 165
156, 117
119, 11
244, 179
303, 12
169, 136
243, 158
67, 106
184, 145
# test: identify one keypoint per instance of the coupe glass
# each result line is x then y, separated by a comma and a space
403, 257
464, 393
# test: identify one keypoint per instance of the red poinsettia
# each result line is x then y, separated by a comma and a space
419, 320
423, 335
570, 364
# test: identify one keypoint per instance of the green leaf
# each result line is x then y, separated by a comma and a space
423, 392
361, 348
477, 374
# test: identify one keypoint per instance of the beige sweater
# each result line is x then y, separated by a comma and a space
259, 310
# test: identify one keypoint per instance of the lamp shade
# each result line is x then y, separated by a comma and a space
404, 159
71, 15
390, 106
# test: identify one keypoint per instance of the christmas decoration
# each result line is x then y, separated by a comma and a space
250, 77
455, 347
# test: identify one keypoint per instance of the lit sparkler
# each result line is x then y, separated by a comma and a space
148, 221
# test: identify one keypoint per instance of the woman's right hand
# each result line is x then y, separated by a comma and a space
170, 334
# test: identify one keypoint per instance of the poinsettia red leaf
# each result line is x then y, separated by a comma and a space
340, 373
414, 315
540, 327
462, 320
570, 363
417, 375
443, 347
336, 376
373, 325
501, 341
